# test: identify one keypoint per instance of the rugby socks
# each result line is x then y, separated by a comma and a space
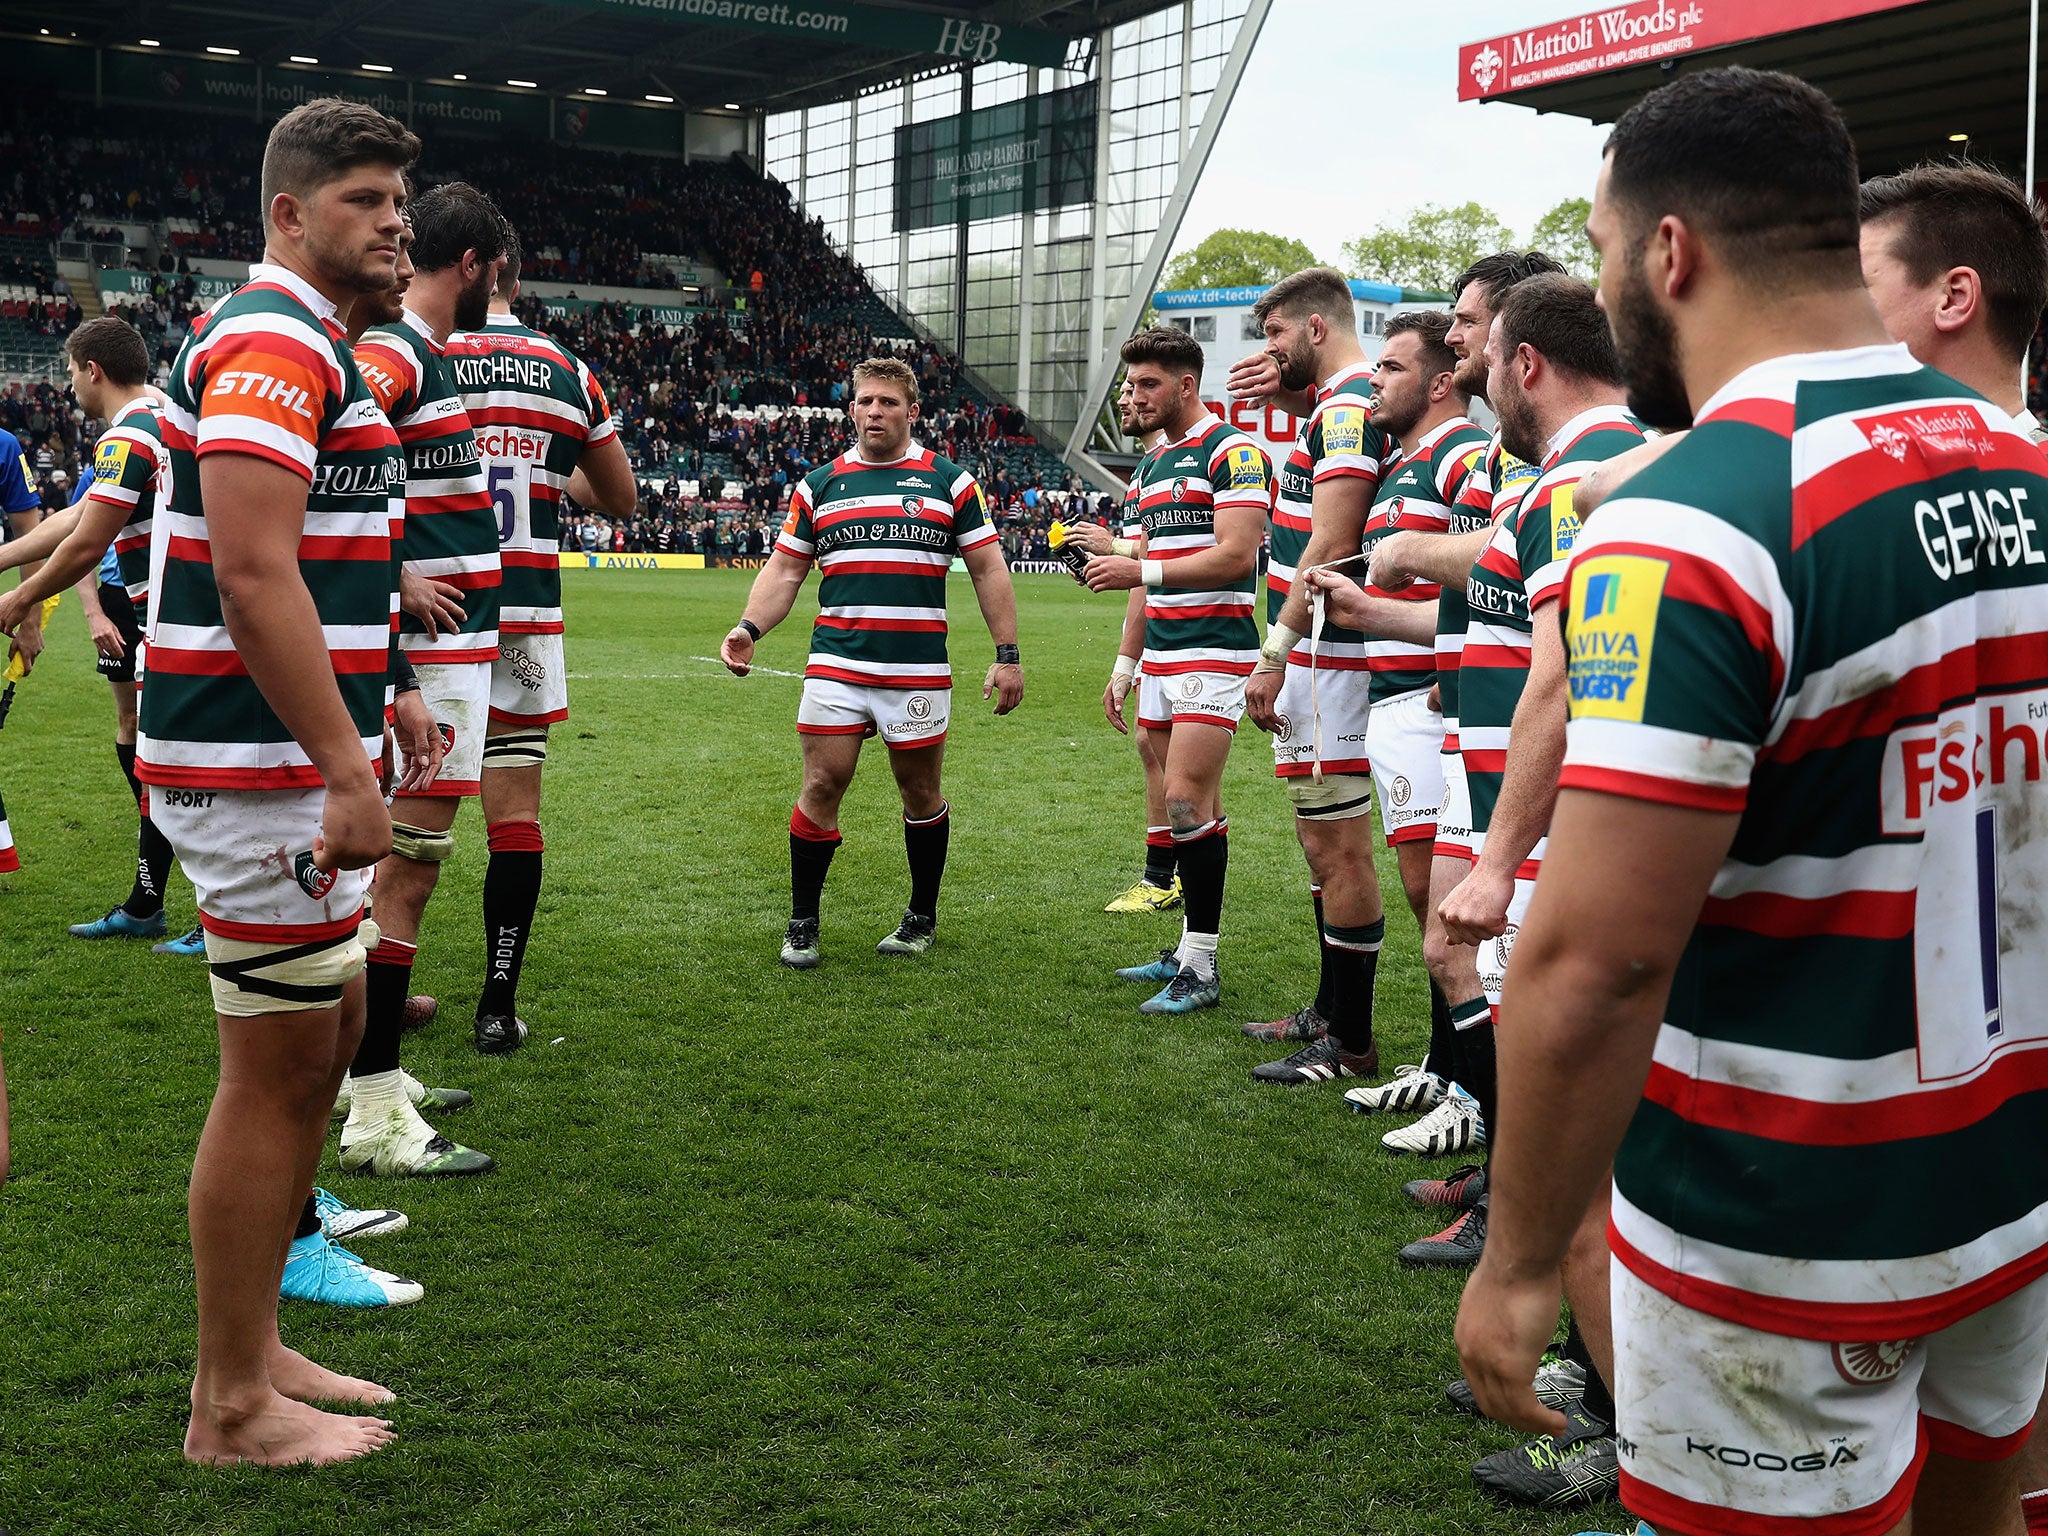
1598, 1403
2035, 1507
1353, 954
1327, 977
1204, 860
810, 855
1473, 1061
152, 849
386, 980
925, 841
309, 1220
1160, 857
1443, 1040
511, 892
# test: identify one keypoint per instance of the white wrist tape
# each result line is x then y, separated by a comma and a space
1127, 548
1126, 666
1280, 644
1152, 572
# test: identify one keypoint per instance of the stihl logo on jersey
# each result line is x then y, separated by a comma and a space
381, 383
1929, 765
263, 386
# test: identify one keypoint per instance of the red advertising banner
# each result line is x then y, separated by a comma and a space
1640, 32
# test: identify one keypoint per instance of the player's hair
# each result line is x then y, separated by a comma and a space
324, 140
1559, 316
1430, 327
1759, 162
451, 219
1311, 291
115, 345
1942, 215
891, 369
508, 275
1497, 273
1174, 350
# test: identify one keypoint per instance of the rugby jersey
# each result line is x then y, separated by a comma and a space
1826, 614
1491, 491
450, 532
1417, 494
536, 408
131, 470
1522, 568
268, 372
883, 537
1337, 439
1182, 484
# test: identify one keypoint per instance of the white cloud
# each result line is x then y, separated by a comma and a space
1348, 114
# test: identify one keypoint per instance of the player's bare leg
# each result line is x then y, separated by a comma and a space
1194, 754
829, 764
510, 792
1154, 890
2030, 1465
1966, 1498
249, 1180
927, 830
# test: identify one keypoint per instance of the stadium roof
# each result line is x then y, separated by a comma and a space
702, 53
1911, 76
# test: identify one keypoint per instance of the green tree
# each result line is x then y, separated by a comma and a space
1429, 248
1233, 258
1562, 233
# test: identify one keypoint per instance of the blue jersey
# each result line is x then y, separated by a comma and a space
17, 485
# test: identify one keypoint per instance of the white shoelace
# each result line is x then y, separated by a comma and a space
1316, 604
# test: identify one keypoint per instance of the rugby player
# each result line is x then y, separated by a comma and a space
449, 541
24, 509
882, 523
261, 729
545, 430
110, 523
1204, 492
1781, 639
1158, 888
1316, 706
1399, 558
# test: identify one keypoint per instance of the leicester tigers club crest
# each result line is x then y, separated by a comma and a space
1394, 511
313, 880
913, 506
1283, 728
1180, 489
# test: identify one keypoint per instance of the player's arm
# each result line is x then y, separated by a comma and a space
28, 635
603, 479
101, 630
1338, 512
768, 603
990, 574
1233, 557
1388, 618
41, 539
1600, 482
1407, 556
1258, 378
1477, 908
1123, 673
93, 523
256, 517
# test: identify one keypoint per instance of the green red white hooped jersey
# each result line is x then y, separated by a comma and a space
1491, 492
536, 409
267, 372
1522, 568
1416, 494
1337, 440
1825, 613
1182, 484
883, 537
450, 533
131, 469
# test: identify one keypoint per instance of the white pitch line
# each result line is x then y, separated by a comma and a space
721, 671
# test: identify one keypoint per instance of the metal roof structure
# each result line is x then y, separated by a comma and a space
717, 54
1915, 79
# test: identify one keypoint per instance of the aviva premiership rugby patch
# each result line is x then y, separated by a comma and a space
1247, 469
1344, 429
1614, 603
110, 462
1564, 522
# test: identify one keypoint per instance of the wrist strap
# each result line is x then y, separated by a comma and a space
1152, 572
753, 630
1126, 666
1128, 548
1007, 656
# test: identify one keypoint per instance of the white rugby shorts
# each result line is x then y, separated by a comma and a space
1454, 816
1342, 700
529, 683
1493, 954
1728, 1431
1405, 741
1190, 698
249, 855
902, 717
458, 695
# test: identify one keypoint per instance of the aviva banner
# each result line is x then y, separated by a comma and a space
1038, 152
578, 561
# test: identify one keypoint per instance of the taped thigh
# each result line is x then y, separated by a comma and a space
1339, 797
251, 978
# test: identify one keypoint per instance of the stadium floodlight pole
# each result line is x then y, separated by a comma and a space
2033, 84
1102, 372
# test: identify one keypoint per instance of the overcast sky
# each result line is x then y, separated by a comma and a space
1340, 123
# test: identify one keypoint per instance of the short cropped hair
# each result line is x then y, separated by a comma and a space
115, 345
453, 218
1759, 162
1938, 216
508, 275
892, 369
1560, 317
1311, 291
325, 139
1174, 350
1430, 327
1497, 273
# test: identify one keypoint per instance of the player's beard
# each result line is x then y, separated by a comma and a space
1297, 365
1648, 345
344, 262
1519, 433
473, 304
1469, 378
1395, 415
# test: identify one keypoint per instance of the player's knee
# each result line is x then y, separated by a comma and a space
1182, 809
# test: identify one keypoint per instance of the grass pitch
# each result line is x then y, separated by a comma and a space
963, 1244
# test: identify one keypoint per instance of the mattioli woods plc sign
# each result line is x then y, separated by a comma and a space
1638, 33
